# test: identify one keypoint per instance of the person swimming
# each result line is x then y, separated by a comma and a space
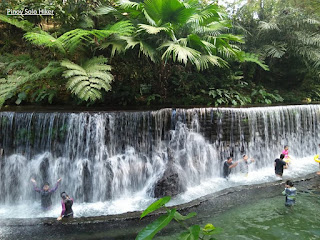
290, 192
45, 193
66, 203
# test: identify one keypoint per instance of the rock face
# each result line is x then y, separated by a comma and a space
170, 184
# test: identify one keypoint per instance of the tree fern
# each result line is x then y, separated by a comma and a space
76, 38
87, 81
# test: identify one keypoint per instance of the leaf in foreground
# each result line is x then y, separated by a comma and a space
156, 205
150, 230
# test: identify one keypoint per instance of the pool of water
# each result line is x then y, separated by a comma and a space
268, 219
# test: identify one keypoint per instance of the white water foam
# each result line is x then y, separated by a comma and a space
139, 201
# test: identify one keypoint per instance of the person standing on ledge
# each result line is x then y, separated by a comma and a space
45, 193
228, 164
279, 165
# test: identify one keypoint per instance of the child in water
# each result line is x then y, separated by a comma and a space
66, 203
285, 152
290, 192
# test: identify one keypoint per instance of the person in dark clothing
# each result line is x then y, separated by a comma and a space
45, 193
66, 203
228, 164
279, 165
290, 192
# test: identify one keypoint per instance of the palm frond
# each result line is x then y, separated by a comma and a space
311, 54
211, 60
267, 26
105, 10
151, 29
180, 53
144, 47
251, 57
305, 38
117, 43
276, 50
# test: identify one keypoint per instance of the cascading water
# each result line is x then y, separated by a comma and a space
110, 162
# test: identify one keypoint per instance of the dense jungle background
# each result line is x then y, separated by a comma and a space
160, 53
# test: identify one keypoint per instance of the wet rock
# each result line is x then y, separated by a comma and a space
169, 184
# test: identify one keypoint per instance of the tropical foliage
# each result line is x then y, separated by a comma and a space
160, 52
288, 39
193, 232
87, 81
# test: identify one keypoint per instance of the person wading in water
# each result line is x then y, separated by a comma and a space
45, 193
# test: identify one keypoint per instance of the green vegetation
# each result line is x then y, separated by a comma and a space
160, 52
193, 232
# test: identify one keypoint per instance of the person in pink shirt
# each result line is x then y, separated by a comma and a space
285, 152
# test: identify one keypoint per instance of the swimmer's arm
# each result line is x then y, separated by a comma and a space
233, 165
56, 186
35, 186
62, 212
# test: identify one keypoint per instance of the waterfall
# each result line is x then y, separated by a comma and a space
104, 156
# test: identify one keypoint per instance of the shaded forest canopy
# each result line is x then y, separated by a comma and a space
160, 52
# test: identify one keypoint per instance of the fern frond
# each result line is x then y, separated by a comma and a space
87, 81
128, 5
23, 24
122, 28
44, 39
9, 86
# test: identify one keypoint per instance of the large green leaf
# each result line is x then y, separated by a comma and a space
150, 230
155, 206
